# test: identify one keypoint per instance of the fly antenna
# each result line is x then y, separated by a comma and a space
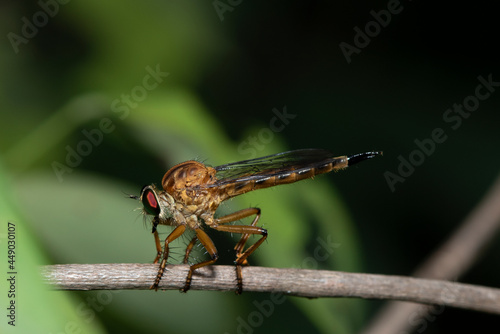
130, 195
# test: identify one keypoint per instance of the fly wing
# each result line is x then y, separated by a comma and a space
271, 165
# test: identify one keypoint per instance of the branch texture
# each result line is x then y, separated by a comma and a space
292, 282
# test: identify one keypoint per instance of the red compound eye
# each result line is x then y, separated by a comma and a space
152, 199
150, 202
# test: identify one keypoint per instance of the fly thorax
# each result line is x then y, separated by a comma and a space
167, 205
188, 174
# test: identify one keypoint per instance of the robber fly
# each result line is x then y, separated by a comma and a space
192, 192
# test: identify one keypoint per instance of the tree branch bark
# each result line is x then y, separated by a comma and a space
292, 282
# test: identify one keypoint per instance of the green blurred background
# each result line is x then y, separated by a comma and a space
78, 77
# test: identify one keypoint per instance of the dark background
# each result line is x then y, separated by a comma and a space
234, 68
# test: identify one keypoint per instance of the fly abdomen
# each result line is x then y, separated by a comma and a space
277, 176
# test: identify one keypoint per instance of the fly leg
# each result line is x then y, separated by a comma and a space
237, 216
158, 246
157, 240
189, 248
246, 231
209, 246
177, 232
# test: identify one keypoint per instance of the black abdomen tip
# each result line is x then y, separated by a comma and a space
355, 158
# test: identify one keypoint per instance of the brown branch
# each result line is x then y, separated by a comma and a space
449, 262
292, 282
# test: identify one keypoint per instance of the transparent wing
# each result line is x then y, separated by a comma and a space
271, 165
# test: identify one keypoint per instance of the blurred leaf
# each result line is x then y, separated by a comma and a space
37, 308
